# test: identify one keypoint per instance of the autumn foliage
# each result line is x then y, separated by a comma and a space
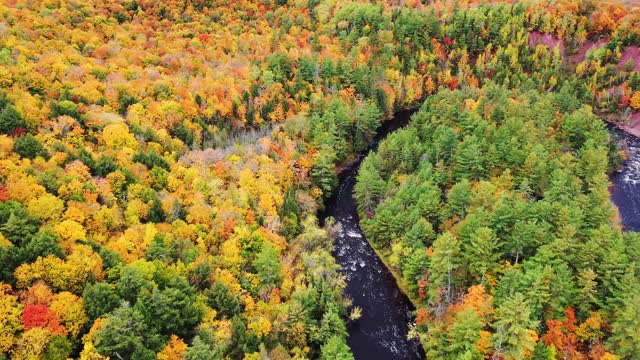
167, 160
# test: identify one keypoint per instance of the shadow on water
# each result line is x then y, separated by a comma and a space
381, 332
625, 184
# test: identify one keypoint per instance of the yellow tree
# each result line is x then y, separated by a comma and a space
31, 344
70, 310
635, 100
46, 207
173, 350
10, 323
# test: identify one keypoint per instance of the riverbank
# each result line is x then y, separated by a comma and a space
624, 191
387, 311
401, 284
632, 129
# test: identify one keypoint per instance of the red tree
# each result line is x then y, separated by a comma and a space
38, 315
562, 336
4, 195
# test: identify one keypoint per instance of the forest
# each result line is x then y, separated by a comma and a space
163, 164
493, 206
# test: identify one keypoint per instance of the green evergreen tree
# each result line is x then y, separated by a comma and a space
512, 322
220, 299
29, 147
10, 118
336, 349
99, 299
444, 264
126, 335
200, 350
464, 334
625, 337
323, 174
267, 264
59, 348
171, 310
469, 162
482, 252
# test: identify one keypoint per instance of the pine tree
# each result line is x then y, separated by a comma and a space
10, 118
482, 252
200, 350
99, 299
469, 160
267, 265
127, 335
625, 337
370, 187
336, 349
323, 174
513, 325
220, 299
444, 264
463, 334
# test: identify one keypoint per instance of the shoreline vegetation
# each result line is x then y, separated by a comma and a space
129, 199
459, 217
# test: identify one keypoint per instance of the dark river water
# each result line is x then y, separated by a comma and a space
625, 184
381, 332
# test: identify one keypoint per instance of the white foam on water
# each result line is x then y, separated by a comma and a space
631, 173
353, 234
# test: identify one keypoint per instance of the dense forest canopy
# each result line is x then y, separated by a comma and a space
162, 164
493, 207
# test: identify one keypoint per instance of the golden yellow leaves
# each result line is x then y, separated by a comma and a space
230, 251
89, 351
173, 350
70, 310
116, 136
38, 293
133, 242
6, 78
4, 242
413, 88
261, 327
316, 192
24, 187
76, 212
116, 180
31, 107
135, 209
67, 275
46, 207
635, 100
6, 146
31, 344
227, 278
470, 104
104, 220
70, 230
72, 189
10, 323
592, 328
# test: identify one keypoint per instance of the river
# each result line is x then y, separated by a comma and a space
625, 184
381, 332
